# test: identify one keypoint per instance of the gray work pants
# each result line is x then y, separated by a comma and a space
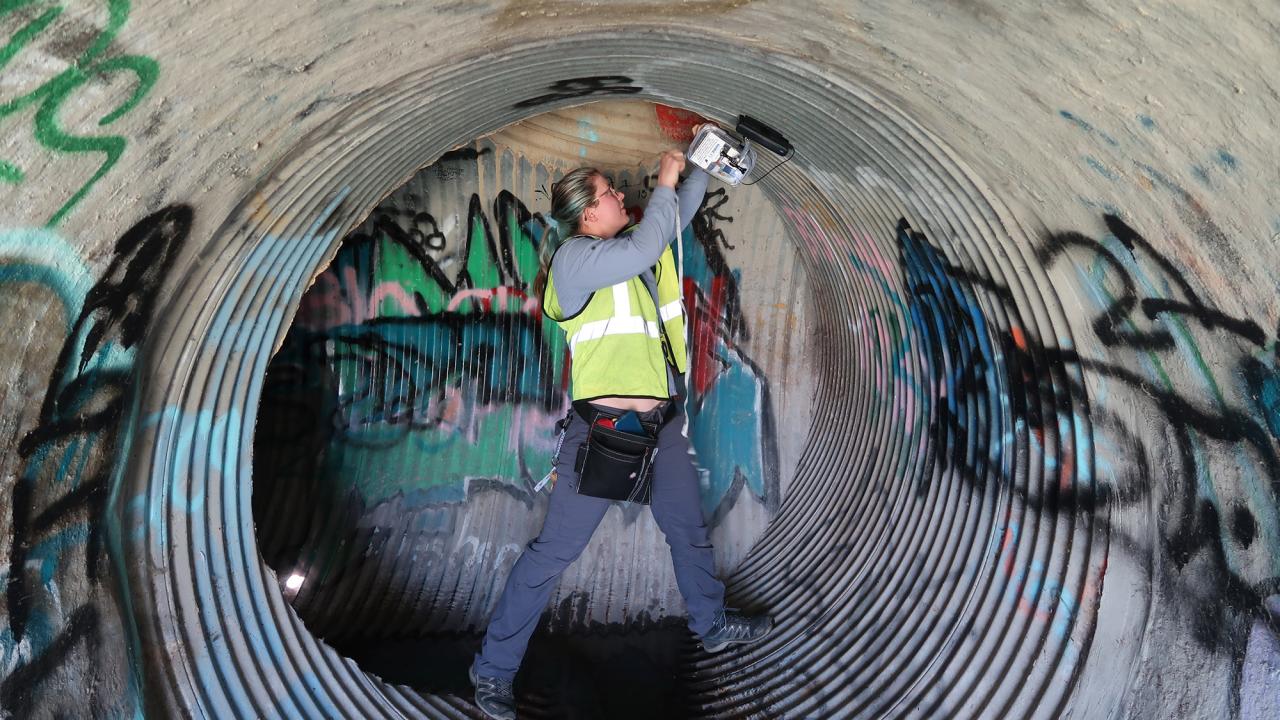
571, 520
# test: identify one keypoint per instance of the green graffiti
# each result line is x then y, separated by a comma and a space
484, 452
10, 173
397, 266
481, 265
51, 96
526, 255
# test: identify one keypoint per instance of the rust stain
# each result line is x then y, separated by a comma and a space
822, 215
260, 211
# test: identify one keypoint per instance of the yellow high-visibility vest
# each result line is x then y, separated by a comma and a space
621, 341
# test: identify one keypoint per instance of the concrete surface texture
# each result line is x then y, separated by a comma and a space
986, 378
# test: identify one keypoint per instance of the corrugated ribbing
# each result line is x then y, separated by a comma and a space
927, 560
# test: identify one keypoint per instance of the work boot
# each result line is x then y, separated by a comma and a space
733, 628
494, 696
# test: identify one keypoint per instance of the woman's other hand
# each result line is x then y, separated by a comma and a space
670, 165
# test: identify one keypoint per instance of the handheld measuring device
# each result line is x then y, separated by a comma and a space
730, 156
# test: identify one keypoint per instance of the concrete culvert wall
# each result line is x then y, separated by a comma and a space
986, 385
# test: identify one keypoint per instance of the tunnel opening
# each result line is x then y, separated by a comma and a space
937, 548
410, 409
421, 342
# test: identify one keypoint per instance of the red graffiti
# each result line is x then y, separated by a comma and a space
705, 316
677, 124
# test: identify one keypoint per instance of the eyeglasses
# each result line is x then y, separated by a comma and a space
610, 190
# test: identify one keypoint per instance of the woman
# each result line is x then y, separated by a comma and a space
615, 292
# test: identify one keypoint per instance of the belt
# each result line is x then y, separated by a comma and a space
589, 413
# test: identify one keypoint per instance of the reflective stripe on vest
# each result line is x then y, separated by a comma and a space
622, 322
617, 346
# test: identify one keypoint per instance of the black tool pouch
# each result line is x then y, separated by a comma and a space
616, 465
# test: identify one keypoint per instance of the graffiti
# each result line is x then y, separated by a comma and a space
1041, 597
1208, 453
582, 87
448, 168
399, 376
676, 123
1109, 325
422, 358
81, 628
50, 97
1213, 172
973, 386
420, 372
405, 337
26, 258
71, 450
1219, 469
1160, 329
410, 345
1180, 408
960, 359
731, 418
424, 344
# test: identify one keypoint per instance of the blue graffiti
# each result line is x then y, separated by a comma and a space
1086, 126
956, 343
42, 257
104, 321
730, 426
728, 432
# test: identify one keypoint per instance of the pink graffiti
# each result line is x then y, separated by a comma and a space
327, 305
814, 235
501, 297
816, 238
389, 289
332, 302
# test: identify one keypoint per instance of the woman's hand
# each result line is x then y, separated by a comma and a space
670, 165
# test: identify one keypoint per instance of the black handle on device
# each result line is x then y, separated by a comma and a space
762, 134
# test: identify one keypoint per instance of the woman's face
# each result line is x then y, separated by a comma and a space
608, 213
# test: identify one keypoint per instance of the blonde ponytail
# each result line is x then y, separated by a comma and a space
571, 195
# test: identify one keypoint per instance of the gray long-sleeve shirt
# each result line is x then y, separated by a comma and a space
584, 263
